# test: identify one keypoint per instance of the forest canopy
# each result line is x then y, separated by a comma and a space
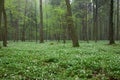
48, 20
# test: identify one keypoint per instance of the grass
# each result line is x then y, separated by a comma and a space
31, 61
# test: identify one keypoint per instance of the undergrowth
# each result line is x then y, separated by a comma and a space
31, 61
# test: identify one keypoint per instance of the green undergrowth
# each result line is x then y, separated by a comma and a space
31, 61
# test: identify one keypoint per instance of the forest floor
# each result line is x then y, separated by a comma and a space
58, 61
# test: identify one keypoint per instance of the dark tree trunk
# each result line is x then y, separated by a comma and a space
1, 10
17, 30
95, 20
41, 23
71, 27
117, 20
111, 28
5, 28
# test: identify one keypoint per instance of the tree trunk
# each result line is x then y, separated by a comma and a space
1, 10
5, 27
86, 13
95, 18
117, 20
41, 23
17, 30
36, 19
71, 27
111, 28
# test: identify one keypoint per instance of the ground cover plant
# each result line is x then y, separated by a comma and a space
31, 61
59, 40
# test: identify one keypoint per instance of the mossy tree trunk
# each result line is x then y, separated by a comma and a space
71, 26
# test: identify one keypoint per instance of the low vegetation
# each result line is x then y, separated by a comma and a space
31, 61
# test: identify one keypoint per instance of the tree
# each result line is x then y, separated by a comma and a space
70, 24
41, 23
111, 28
4, 32
36, 18
117, 20
24, 26
1, 10
5, 27
56, 23
95, 19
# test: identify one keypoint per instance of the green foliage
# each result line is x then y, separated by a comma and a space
59, 61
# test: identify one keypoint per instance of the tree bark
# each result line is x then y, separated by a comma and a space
5, 27
1, 10
111, 28
41, 23
117, 35
95, 20
71, 27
